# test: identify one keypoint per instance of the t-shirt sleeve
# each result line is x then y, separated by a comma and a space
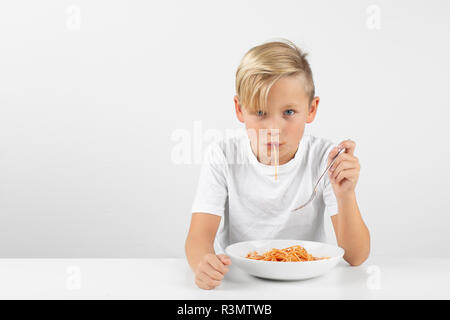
212, 191
329, 197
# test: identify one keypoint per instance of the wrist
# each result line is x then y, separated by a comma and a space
346, 198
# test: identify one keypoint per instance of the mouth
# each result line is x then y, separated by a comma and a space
274, 144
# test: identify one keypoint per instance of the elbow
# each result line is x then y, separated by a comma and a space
356, 261
359, 259
358, 255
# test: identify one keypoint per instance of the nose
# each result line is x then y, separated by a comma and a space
274, 130
273, 135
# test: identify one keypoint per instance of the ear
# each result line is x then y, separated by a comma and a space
312, 110
238, 108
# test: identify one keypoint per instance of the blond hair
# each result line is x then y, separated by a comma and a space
263, 65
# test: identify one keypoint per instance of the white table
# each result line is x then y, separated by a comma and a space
377, 278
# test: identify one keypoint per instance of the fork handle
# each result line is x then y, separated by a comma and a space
328, 167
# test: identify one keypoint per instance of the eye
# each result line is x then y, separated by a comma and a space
289, 112
260, 113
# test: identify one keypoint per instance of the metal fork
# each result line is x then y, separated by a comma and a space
315, 187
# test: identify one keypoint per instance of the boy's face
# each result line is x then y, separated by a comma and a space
284, 123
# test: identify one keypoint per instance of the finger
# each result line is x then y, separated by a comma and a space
332, 154
349, 146
225, 259
345, 164
349, 174
215, 262
212, 273
342, 157
203, 285
203, 277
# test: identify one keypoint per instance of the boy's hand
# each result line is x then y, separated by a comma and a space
211, 270
344, 172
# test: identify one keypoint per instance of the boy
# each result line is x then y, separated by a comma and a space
279, 166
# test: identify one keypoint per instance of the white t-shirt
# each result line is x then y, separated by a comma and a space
254, 205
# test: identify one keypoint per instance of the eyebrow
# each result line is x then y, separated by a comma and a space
290, 105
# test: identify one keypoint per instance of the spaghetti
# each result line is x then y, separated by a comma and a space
291, 254
275, 155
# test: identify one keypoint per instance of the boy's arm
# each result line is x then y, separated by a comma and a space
200, 239
351, 232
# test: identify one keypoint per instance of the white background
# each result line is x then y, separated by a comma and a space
91, 93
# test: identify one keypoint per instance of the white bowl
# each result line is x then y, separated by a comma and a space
284, 270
